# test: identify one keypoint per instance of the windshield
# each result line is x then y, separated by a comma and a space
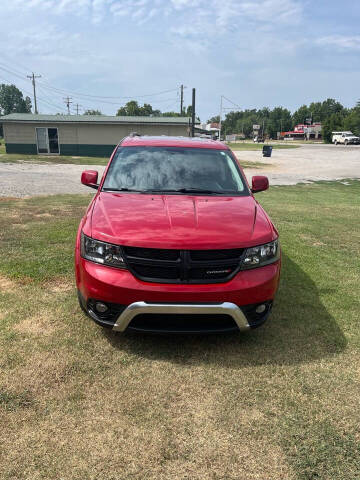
174, 170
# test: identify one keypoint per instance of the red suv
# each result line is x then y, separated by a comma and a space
174, 240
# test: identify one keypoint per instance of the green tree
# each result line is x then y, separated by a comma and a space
92, 112
215, 119
301, 114
332, 123
12, 100
279, 121
133, 109
352, 120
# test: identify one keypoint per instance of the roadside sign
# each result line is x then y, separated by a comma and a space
256, 127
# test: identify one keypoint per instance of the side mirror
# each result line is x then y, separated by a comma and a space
90, 178
259, 183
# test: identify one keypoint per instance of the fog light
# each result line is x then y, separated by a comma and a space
260, 308
101, 307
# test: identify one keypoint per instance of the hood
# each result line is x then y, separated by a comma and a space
179, 221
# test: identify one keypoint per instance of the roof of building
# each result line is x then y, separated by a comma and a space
167, 141
29, 117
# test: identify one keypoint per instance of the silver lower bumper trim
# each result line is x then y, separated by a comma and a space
137, 308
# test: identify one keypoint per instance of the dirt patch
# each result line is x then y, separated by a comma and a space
60, 286
40, 324
21, 225
7, 285
43, 215
44, 372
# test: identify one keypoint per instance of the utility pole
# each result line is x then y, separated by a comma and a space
221, 108
32, 78
68, 101
181, 98
77, 108
193, 114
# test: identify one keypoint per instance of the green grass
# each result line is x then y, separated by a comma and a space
255, 165
281, 402
258, 146
20, 157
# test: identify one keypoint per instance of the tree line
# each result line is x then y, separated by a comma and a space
331, 113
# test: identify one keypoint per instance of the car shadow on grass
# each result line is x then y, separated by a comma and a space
299, 330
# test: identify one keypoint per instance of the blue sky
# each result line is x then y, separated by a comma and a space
255, 52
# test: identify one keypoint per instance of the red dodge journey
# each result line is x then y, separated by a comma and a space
174, 240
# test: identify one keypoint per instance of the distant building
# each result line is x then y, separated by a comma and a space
212, 127
209, 130
81, 135
233, 137
303, 132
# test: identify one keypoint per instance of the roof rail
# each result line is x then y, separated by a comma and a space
134, 134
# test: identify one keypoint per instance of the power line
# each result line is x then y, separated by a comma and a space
221, 110
29, 93
78, 94
236, 105
13, 73
49, 100
99, 100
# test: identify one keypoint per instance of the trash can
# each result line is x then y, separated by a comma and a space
267, 149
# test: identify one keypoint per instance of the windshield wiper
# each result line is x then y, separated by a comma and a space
123, 189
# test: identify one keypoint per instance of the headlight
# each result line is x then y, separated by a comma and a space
261, 255
101, 252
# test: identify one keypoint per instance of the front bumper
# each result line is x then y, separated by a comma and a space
143, 308
135, 303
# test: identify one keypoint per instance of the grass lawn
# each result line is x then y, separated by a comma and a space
255, 165
258, 146
20, 158
281, 402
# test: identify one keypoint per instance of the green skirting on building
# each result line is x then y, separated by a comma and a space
29, 148
81, 150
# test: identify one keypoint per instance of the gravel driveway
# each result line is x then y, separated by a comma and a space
307, 163
287, 167
26, 179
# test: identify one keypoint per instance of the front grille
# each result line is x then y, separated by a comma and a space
183, 266
183, 323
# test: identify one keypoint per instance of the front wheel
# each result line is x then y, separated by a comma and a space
346, 142
335, 142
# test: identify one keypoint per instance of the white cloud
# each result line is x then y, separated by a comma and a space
342, 42
278, 11
224, 14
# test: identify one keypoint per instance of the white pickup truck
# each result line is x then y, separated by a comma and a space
345, 138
